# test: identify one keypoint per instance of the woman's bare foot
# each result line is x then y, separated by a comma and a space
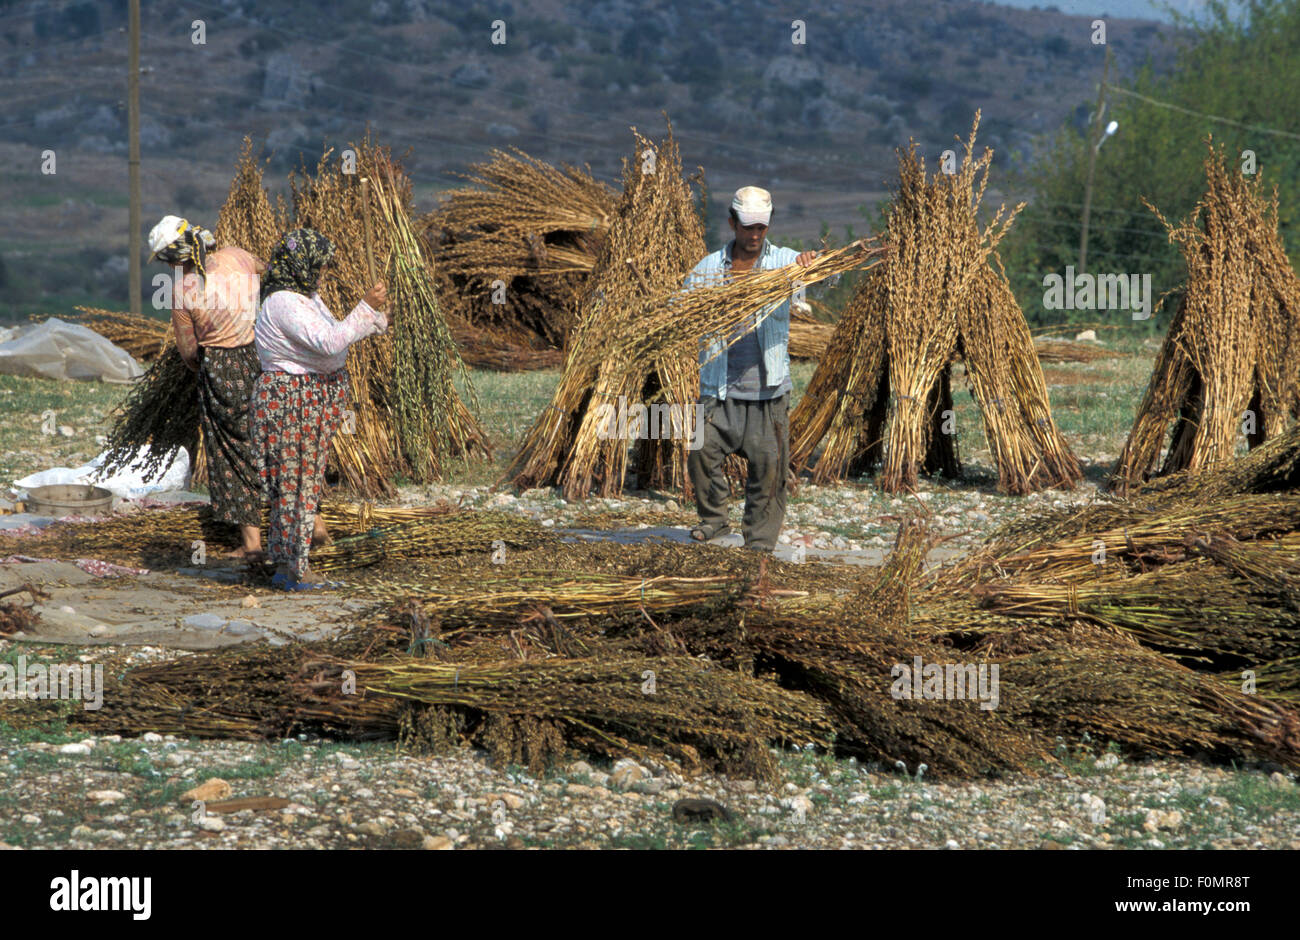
250, 549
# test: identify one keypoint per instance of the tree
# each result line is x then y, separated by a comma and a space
1241, 71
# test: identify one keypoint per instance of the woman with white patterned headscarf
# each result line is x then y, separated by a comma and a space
213, 312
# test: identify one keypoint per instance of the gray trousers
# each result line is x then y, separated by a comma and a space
759, 431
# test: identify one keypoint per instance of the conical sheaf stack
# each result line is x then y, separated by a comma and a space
380, 442
1226, 373
515, 248
883, 391
654, 240
247, 220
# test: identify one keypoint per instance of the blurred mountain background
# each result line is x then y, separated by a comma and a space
817, 123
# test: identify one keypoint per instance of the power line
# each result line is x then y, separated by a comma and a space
1259, 129
1077, 205
1065, 250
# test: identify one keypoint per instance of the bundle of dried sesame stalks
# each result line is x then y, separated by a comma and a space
882, 394
384, 441
1226, 373
514, 249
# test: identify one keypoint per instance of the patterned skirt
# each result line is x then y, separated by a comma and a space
294, 417
226, 380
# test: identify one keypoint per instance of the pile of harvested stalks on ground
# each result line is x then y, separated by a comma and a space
1203, 570
514, 249
883, 393
1064, 350
1226, 373
497, 350
364, 535
1180, 639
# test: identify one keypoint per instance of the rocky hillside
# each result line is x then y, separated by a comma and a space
812, 110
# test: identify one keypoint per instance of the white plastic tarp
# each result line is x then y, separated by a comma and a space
57, 349
127, 483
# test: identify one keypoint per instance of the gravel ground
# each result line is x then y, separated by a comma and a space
108, 792
848, 517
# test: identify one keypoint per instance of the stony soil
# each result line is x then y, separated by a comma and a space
108, 792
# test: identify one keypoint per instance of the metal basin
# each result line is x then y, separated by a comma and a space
69, 499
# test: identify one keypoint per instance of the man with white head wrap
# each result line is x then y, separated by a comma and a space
745, 386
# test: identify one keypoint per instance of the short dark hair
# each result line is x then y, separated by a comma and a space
735, 217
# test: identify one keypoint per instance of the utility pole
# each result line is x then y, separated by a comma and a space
1094, 142
133, 153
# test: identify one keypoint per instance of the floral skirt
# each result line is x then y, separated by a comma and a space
293, 418
226, 380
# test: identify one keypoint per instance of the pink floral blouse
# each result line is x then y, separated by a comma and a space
299, 335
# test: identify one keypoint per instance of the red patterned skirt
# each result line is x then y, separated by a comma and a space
292, 420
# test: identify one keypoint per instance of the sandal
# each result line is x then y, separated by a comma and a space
706, 533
